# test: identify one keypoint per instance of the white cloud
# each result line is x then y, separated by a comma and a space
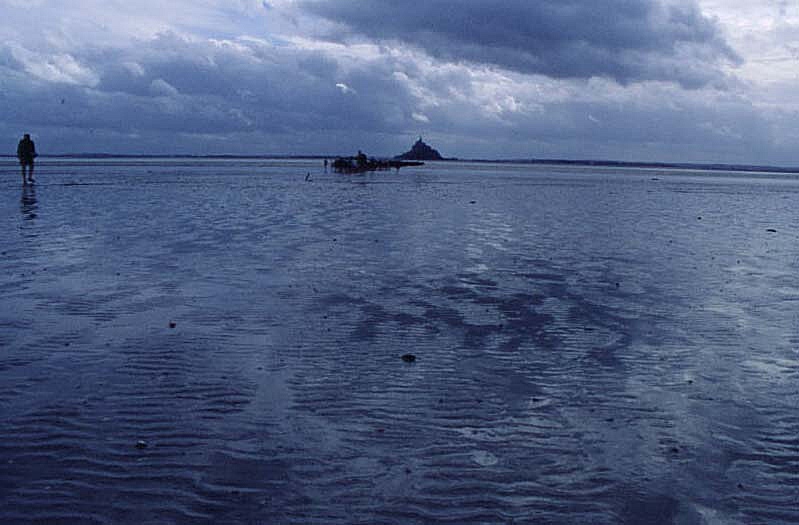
55, 67
345, 89
134, 68
420, 117
160, 87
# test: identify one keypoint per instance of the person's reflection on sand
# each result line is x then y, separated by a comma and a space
27, 203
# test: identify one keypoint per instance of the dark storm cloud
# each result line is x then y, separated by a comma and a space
627, 40
175, 86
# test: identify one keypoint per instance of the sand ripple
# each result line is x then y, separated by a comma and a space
220, 342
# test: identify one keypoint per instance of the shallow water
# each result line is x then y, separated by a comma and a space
593, 345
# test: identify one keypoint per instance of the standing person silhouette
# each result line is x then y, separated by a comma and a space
26, 152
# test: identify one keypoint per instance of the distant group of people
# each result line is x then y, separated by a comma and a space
26, 152
361, 161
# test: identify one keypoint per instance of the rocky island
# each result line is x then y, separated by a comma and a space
420, 151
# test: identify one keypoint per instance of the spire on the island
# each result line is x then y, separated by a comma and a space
420, 151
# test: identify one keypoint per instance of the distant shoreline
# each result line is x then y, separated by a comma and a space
533, 161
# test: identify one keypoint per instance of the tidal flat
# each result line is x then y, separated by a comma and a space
191, 341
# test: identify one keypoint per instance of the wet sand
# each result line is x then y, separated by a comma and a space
220, 342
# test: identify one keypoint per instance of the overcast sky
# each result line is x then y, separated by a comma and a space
669, 80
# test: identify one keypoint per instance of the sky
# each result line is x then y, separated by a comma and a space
633, 80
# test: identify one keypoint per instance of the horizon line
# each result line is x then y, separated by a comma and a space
710, 166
